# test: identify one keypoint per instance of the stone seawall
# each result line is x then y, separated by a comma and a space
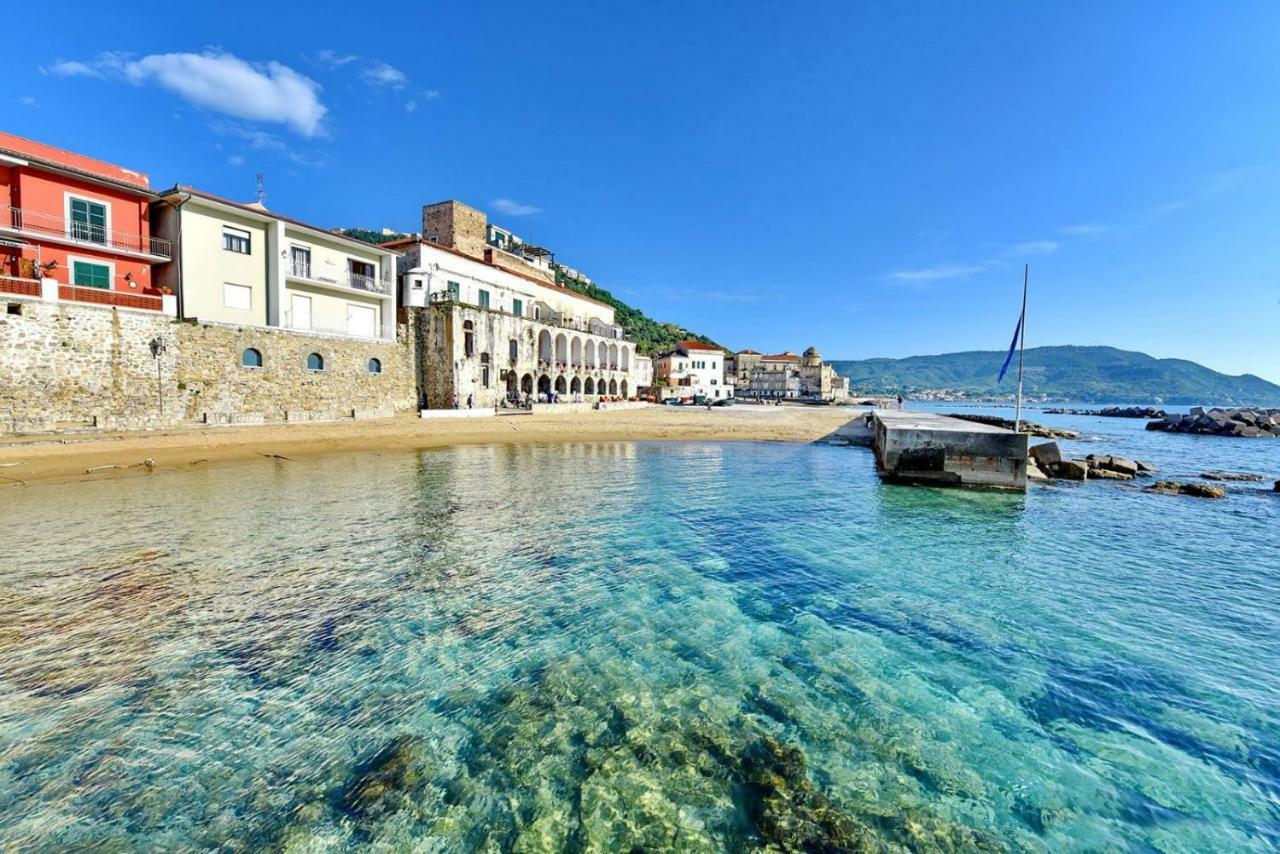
74, 366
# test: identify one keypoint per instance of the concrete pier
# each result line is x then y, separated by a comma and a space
931, 449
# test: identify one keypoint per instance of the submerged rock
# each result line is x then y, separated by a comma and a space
1232, 475
383, 780
1199, 490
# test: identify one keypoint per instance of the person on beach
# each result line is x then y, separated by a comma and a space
900, 403
455, 401
470, 402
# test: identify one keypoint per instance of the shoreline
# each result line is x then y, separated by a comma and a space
38, 459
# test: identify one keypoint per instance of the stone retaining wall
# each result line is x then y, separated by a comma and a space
77, 366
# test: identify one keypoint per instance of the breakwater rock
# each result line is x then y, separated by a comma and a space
1198, 490
1249, 423
1114, 412
1045, 462
1027, 427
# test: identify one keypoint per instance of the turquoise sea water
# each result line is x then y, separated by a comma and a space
642, 646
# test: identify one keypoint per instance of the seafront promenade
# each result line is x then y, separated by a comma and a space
96, 456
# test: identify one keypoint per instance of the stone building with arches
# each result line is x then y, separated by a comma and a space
489, 335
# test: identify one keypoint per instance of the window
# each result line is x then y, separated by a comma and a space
235, 240
484, 369
315, 362
251, 358
88, 275
468, 338
513, 349
455, 291
517, 307
88, 221
300, 262
375, 366
239, 297
360, 274
484, 298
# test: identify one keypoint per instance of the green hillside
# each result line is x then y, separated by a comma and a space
651, 336
1091, 374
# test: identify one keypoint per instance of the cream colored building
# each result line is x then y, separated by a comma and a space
242, 264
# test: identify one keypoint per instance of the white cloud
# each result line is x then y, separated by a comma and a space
1085, 229
1032, 247
431, 94
410, 105
1168, 208
236, 160
266, 92
71, 68
509, 207
27, 101
382, 74
335, 60
937, 274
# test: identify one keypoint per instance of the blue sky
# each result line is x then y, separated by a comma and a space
866, 178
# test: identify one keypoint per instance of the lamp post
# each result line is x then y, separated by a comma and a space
157, 350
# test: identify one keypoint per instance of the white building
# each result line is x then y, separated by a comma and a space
692, 369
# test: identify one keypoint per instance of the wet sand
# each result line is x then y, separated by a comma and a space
33, 459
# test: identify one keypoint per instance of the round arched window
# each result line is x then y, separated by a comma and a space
375, 366
251, 358
315, 362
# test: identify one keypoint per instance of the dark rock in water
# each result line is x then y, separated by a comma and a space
1113, 412
1047, 454
1199, 490
1034, 472
1108, 474
1232, 475
1070, 470
1245, 423
382, 782
1145, 468
1119, 465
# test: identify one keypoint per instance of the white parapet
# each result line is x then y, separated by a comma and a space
49, 290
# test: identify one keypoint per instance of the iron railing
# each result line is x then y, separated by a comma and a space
40, 224
333, 274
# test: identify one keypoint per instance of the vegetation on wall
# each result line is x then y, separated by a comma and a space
651, 336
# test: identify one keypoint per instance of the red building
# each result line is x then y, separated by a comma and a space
78, 221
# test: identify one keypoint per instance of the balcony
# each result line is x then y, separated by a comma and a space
335, 276
37, 224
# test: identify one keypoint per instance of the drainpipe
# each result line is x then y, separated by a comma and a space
186, 197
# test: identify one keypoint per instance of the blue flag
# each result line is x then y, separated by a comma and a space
1017, 333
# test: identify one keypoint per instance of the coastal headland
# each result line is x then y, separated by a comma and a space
32, 459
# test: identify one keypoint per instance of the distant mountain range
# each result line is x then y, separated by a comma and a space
1090, 374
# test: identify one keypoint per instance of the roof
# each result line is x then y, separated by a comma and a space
747, 353
407, 241
781, 357
69, 161
697, 345
257, 209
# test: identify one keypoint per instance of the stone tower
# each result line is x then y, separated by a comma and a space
455, 225
811, 358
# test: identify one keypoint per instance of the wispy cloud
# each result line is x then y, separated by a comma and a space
1031, 247
261, 140
510, 207
1085, 229
382, 74
217, 81
937, 273
27, 101
333, 59
236, 160
70, 68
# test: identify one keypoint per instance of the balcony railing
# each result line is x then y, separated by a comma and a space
39, 224
332, 274
16, 285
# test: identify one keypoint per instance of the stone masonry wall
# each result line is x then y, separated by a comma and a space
71, 365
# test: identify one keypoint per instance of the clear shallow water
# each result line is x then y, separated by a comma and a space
610, 646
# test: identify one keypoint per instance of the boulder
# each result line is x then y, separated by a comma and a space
1231, 475
1277, 489
1034, 472
1145, 468
1046, 454
1070, 469
1199, 490
1115, 464
1108, 474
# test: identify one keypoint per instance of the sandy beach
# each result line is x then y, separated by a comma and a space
32, 459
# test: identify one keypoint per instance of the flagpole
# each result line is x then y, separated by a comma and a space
1022, 346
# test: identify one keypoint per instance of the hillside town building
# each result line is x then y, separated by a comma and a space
691, 369
75, 228
243, 264
498, 328
786, 376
